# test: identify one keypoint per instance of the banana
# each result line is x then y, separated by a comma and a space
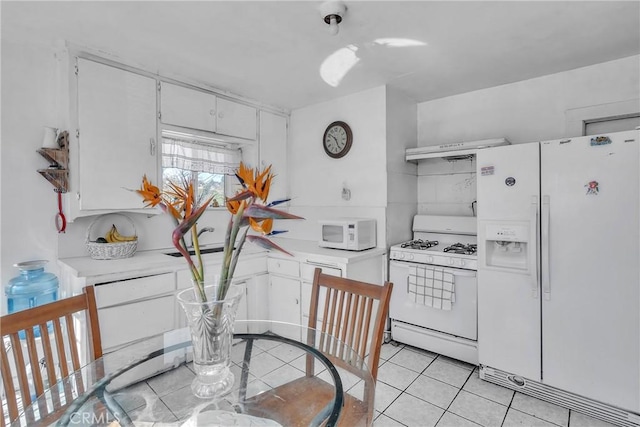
117, 237
109, 236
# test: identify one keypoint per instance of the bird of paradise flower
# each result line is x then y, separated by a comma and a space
249, 210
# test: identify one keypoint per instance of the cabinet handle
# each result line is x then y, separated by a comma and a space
212, 112
320, 264
221, 115
152, 146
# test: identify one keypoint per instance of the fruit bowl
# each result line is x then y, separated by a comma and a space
110, 244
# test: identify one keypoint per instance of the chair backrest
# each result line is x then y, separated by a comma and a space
56, 347
353, 312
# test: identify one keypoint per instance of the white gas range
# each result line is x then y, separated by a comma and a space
434, 299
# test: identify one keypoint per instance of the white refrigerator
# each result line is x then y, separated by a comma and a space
558, 265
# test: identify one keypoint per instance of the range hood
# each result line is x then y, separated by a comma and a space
453, 151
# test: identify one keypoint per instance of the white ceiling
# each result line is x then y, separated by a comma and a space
272, 51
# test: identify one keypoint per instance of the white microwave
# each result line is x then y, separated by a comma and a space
352, 234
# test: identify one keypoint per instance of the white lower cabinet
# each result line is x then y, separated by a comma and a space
276, 287
129, 310
258, 297
130, 322
307, 271
250, 274
284, 295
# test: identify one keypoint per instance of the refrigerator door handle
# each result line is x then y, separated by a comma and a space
533, 247
546, 281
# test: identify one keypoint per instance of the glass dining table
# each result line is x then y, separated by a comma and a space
148, 383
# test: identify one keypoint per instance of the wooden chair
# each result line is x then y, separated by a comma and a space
42, 351
355, 314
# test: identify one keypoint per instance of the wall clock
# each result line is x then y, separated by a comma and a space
337, 139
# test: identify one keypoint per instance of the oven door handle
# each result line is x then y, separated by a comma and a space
461, 273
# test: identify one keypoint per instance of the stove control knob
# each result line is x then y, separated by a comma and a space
452, 261
410, 256
462, 263
429, 258
401, 255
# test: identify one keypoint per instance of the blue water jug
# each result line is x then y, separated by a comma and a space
31, 288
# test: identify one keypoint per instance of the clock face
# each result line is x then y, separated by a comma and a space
337, 139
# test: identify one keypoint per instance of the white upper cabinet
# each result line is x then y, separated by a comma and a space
273, 151
195, 109
236, 119
117, 136
188, 108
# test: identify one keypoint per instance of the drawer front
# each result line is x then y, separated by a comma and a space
184, 279
130, 322
251, 266
245, 268
125, 291
284, 267
307, 270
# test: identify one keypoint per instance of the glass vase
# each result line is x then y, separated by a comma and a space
211, 327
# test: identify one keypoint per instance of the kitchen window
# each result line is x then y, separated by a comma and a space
204, 161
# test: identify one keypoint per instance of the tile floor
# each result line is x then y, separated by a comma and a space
419, 388
414, 388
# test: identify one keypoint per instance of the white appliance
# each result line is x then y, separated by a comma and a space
352, 234
424, 313
455, 150
558, 275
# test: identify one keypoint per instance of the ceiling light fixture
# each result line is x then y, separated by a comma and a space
332, 11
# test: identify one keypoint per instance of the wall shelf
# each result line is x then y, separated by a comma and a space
56, 156
57, 173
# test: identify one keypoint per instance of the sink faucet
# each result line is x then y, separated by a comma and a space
203, 230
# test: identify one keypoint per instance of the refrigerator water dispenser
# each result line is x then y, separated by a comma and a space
507, 246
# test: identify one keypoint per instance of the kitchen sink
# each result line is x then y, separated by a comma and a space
202, 251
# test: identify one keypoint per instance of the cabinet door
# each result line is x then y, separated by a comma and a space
273, 151
243, 312
117, 143
236, 119
258, 297
284, 304
181, 106
307, 271
129, 322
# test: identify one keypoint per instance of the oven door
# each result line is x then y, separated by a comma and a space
460, 321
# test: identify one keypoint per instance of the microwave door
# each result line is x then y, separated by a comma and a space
333, 234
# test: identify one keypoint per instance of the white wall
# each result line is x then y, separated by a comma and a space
401, 175
30, 101
526, 111
34, 94
316, 180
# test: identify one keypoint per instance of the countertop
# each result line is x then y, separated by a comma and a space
157, 262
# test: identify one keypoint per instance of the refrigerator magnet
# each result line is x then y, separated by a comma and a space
592, 188
600, 140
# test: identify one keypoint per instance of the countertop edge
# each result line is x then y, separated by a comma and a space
155, 262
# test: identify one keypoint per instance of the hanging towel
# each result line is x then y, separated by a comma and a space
431, 286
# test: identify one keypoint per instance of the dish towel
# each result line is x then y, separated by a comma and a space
431, 286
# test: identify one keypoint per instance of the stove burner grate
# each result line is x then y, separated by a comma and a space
419, 244
459, 248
